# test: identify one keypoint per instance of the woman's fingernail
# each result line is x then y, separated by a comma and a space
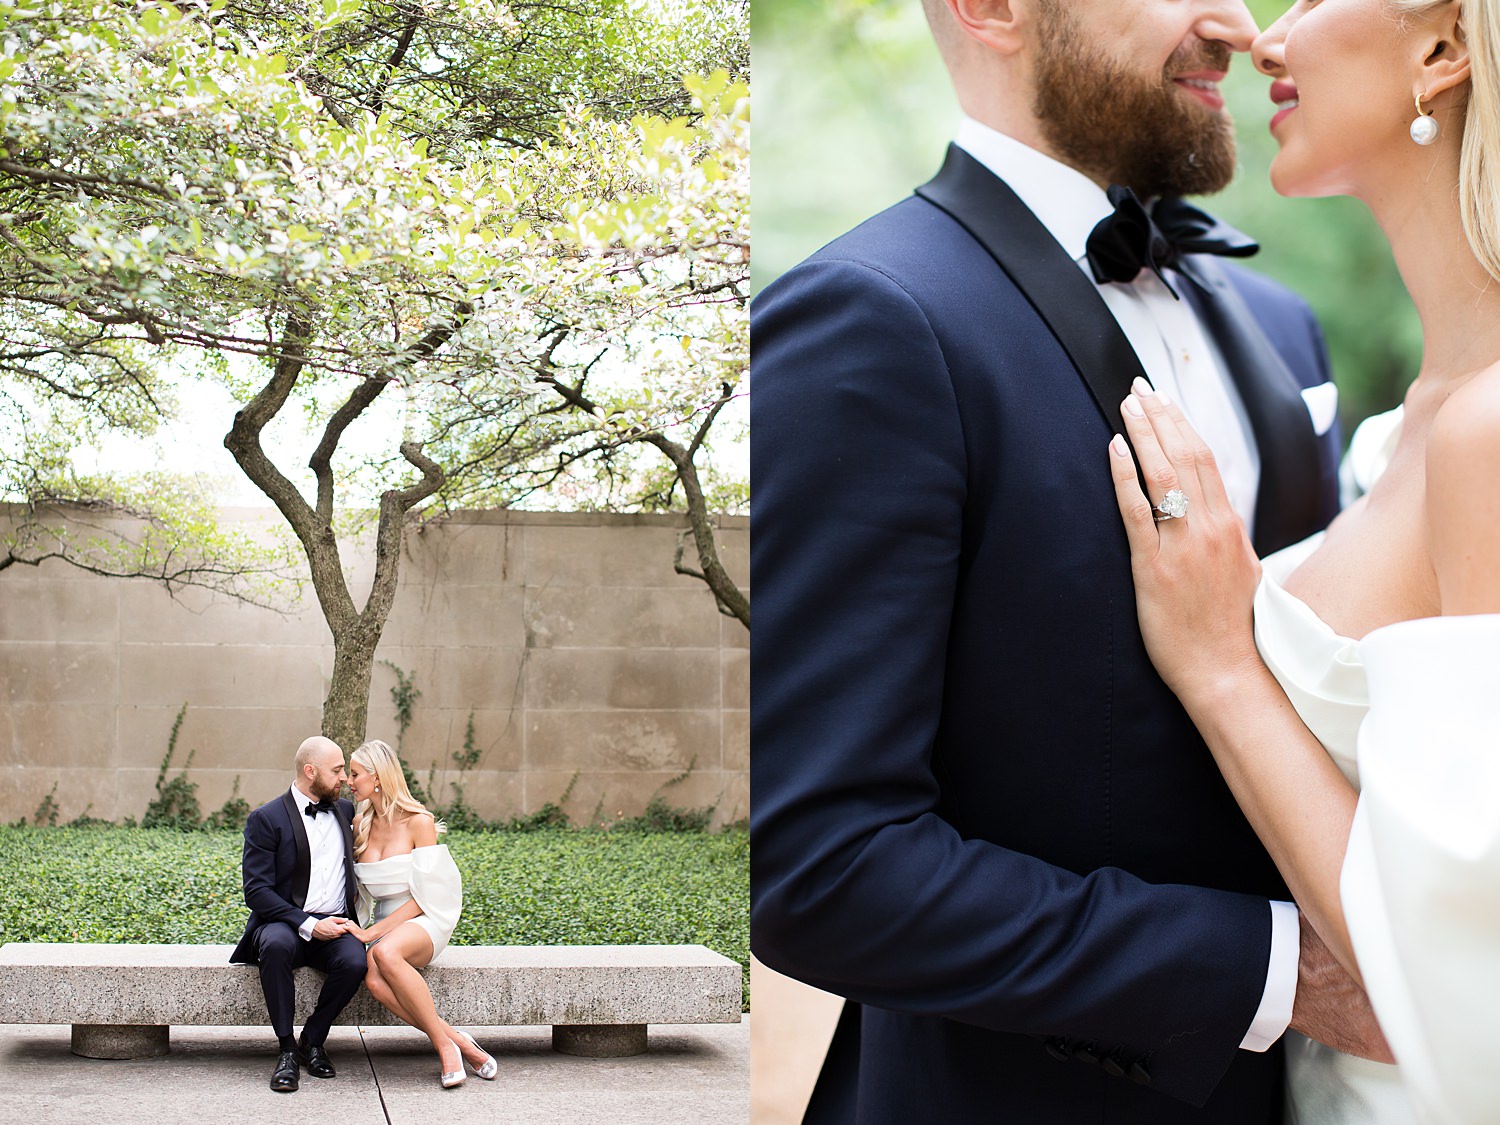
1118, 447
1142, 388
1163, 398
1133, 406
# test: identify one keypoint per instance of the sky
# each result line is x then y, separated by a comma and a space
194, 444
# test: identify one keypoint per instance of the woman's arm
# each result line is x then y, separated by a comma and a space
1195, 583
423, 834
403, 913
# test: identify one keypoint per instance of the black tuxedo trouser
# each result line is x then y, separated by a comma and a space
280, 951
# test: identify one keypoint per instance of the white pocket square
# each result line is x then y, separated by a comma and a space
1322, 404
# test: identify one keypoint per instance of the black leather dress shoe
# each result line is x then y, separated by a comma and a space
316, 1062
285, 1077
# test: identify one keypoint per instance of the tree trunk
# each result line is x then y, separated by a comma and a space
346, 710
356, 633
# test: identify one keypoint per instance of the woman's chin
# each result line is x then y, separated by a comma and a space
1287, 181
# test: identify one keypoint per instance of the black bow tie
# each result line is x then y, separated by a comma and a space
1132, 239
312, 810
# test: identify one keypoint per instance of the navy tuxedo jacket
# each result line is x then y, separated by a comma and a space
978, 813
276, 867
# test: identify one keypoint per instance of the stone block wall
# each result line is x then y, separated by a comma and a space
590, 667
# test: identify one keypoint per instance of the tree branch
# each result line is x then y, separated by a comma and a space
321, 462
313, 530
394, 504
731, 600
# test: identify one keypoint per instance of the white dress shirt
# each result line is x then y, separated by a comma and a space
1181, 359
326, 888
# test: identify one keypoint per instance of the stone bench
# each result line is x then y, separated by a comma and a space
122, 1000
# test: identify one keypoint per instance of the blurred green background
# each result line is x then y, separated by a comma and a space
853, 109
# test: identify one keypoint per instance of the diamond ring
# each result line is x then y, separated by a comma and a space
1173, 506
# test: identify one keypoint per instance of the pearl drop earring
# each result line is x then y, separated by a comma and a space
1424, 130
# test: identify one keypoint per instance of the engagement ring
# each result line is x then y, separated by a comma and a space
1173, 506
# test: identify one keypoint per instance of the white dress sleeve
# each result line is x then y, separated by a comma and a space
364, 903
1421, 878
437, 885
1370, 451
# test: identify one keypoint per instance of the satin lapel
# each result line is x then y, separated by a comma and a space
1061, 293
1287, 505
302, 873
351, 889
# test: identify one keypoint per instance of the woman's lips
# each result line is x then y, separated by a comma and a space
1284, 94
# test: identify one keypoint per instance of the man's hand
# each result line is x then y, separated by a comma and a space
1330, 1006
327, 929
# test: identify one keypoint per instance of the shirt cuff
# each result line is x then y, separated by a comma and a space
305, 930
1275, 1011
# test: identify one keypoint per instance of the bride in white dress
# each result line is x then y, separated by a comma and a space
1356, 712
410, 896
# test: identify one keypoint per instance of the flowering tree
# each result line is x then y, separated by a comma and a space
654, 285
458, 202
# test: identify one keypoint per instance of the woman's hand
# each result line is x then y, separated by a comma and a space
1195, 576
360, 933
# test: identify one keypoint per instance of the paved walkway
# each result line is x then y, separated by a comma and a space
692, 1075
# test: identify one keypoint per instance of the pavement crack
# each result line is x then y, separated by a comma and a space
379, 1093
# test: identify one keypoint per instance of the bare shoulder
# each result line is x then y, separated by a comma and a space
1463, 448
423, 829
1463, 496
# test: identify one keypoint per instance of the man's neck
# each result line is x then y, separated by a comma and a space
1029, 133
1066, 201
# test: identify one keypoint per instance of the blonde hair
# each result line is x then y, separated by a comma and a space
1478, 175
381, 760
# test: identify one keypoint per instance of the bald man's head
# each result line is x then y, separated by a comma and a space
945, 31
1100, 85
320, 767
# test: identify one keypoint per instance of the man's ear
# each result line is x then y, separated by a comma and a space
999, 25
1444, 55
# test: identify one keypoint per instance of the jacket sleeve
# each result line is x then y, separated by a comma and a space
859, 886
259, 869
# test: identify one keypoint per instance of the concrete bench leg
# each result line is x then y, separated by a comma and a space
115, 1041
599, 1040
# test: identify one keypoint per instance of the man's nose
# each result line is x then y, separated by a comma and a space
1228, 22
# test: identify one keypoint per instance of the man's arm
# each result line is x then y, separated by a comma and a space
859, 885
258, 866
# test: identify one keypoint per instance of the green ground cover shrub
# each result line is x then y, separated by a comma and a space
546, 887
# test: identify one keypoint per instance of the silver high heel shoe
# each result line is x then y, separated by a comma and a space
454, 1078
487, 1069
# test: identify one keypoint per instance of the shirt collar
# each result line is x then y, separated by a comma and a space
1067, 202
303, 799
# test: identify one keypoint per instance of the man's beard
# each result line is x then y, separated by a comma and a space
327, 790
1126, 128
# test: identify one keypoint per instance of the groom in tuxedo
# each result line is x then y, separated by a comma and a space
300, 887
978, 812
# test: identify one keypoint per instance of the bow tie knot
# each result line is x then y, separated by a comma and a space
313, 809
1132, 238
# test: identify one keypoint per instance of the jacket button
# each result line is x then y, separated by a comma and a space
1138, 1073
1086, 1054
1057, 1050
1112, 1066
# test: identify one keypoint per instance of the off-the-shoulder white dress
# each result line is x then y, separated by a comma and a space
1411, 715
426, 874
